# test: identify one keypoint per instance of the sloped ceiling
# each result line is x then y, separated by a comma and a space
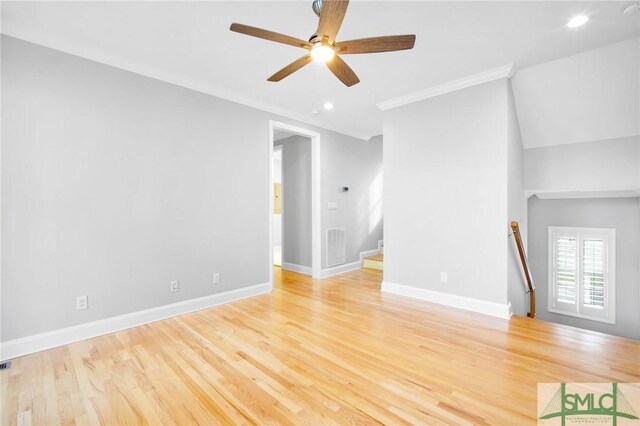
587, 97
189, 43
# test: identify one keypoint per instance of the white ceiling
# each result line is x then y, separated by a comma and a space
189, 43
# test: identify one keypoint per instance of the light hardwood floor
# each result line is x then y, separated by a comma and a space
313, 352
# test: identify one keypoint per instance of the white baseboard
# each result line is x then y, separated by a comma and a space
340, 269
461, 302
51, 339
306, 270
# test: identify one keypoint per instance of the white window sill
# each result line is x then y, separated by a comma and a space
583, 316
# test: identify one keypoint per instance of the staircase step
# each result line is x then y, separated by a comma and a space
373, 262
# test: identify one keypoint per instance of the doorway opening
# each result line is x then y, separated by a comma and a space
294, 208
277, 204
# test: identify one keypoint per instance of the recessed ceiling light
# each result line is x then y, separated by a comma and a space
577, 21
328, 105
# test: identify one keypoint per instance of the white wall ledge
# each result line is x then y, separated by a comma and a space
556, 194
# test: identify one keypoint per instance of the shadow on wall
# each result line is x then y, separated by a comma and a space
369, 212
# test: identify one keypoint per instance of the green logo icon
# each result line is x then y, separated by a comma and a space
565, 404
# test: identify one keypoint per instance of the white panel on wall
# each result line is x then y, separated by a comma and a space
336, 246
610, 165
586, 97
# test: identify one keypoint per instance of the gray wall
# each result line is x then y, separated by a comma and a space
516, 208
619, 213
358, 166
445, 186
296, 211
114, 184
590, 166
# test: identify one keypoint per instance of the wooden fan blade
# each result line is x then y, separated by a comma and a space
343, 71
376, 44
291, 68
269, 35
331, 16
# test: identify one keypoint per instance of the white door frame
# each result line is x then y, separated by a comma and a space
316, 234
275, 149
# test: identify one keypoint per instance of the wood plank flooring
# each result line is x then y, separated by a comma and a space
332, 351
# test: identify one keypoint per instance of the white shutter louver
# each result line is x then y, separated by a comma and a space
566, 255
593, 292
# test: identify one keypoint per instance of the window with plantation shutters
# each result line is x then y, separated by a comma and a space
582, 272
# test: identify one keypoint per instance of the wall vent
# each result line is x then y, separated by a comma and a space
336, 246
5, 365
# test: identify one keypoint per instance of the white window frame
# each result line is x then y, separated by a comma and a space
608, 313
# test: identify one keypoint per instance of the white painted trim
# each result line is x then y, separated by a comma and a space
380, 245
555, 194
505, 71
461, 302
62, 45
340, 269
316, 210
305, 270
51, 339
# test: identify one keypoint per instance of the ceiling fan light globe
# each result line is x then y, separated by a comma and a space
322, 53
577, 21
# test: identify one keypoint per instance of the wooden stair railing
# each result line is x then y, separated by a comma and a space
527, 273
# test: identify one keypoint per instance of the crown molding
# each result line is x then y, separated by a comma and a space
64, 46
506, 71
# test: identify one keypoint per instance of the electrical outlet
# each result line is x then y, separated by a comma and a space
216, 277
443, 277
82, 303
175, 286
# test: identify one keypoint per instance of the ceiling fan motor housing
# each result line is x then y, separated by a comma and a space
317, 6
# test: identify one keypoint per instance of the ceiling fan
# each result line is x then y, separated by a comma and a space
322, 45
